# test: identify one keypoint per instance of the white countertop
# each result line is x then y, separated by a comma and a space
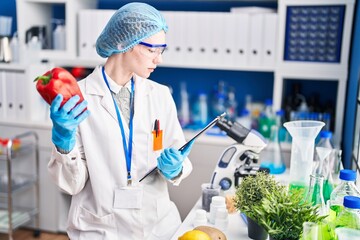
237, 229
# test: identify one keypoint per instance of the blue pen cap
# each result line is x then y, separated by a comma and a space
352, 202
348, 175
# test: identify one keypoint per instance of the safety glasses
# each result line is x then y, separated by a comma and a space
152, 50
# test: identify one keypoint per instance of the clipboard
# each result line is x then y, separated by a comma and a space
211, 124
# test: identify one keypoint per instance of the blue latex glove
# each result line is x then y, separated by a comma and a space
65, 121
171, 160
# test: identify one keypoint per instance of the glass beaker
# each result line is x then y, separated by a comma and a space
310, 231
303, 135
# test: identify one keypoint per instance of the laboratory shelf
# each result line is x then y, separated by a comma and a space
19, 182
25, 149
13, 215
20, 217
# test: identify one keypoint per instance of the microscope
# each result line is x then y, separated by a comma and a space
240, 159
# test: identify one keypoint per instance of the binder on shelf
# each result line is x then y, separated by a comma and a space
180, 33
11, 95
204, 38
191, 39
216, 38
241, 48
84, 34
270, 39
3, 102
256, 39
169, 53
38, 109
22, 96
229, 40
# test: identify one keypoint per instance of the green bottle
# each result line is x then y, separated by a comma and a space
350, 216
345, 188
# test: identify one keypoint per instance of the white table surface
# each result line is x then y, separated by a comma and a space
236, 229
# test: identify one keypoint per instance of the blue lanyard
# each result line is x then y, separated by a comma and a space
127, 150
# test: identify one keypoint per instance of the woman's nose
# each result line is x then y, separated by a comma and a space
158, 59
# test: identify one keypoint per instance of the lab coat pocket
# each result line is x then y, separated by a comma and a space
92, 226
168, 219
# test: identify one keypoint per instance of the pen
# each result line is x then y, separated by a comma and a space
158, 128
155, 127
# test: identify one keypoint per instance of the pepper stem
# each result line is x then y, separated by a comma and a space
45, 79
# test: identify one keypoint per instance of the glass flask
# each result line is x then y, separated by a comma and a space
314, 194
271, 157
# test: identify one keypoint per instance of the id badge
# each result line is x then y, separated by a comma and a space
128, 197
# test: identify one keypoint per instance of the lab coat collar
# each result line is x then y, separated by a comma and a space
95, 85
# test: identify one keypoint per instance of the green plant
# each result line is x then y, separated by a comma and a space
282, 214
252, 190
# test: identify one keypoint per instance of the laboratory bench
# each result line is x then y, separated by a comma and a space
236, 229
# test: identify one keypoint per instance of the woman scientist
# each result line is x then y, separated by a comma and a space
133, 127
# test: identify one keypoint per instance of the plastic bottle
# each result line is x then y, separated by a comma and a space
231, 105
350, 216
217, 202
200, 218
200, 110
59, 36
184, 113
326, 118
345, 188
218, 102
267, 119
245, 119
222, 219
14, 45
325, 148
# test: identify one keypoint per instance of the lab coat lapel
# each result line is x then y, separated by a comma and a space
141, 113
97, 86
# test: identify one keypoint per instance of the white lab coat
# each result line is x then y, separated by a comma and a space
97, 166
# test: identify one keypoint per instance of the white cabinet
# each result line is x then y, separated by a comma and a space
32, 13
313, 44
19, 100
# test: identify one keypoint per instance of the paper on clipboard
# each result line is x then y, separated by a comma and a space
211, 124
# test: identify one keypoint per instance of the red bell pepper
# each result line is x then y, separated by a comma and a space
55, 81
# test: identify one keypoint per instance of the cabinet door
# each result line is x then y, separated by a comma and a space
356, 144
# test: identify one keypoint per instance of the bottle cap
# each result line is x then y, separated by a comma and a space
352, 202
325, 134
268, 102
347, 175
280, 112
245, 112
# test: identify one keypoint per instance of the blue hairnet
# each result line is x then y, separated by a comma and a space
129, 25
